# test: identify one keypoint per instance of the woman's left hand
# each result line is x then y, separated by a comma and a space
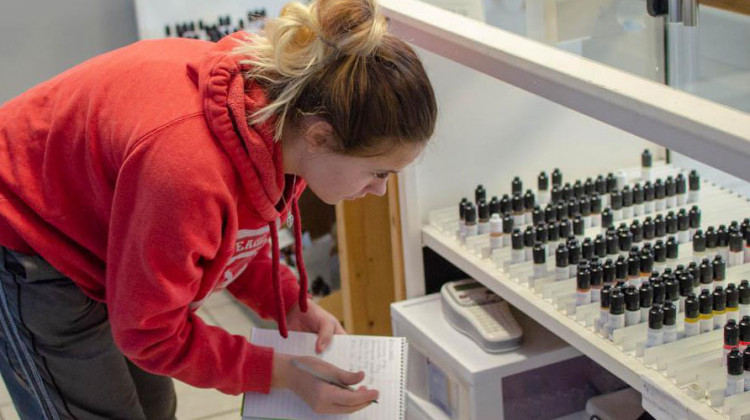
315, 320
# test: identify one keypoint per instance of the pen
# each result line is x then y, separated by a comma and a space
296, 363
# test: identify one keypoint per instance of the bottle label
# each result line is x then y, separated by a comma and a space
654, 338
583, 297
692, 327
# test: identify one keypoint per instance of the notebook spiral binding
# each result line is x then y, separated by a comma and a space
402, 393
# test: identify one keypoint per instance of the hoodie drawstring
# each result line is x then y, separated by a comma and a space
280, 315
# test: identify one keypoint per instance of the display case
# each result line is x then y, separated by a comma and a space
511, 106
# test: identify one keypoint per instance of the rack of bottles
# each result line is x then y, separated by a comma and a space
643, 269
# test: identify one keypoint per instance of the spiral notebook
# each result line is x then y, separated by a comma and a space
383, 359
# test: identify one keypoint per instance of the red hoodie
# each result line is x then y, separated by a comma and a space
137, 175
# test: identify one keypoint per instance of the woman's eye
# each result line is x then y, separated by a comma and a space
381, 175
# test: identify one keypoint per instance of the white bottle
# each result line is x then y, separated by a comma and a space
496, 232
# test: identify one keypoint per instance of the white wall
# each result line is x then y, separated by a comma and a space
42, 38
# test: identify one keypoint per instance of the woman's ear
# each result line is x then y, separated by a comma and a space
318, 135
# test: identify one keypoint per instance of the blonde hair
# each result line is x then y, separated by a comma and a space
335, 59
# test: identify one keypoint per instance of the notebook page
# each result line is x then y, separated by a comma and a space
381, 358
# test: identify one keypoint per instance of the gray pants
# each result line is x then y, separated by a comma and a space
57, 356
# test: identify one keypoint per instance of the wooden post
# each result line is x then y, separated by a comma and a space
369, 256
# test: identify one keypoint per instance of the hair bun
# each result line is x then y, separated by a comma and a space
355, 27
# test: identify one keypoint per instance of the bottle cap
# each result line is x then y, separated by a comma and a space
694, 180
537, 216
646, 263
557, 177
636, 230
699, 241
574, 209
574, 253
745, 328
670, 187
624, 240
553, 231
542, 181
587, 249
745, 226
567, 192
507, 224
706, 272
562, 210
611, 182
659, 191
588, 187
706, 302
608, 270
621, 270
744, 289
584, 203
648, 228
660, 226
671, 223
613, 245
648, 191
670, 313
646, 294
528, 200
541, 233
655, 317
484, 210
607, 218
616, 199
578, 225
540, 254
695, 217
692, 306
565, 228
529, 237
672, 248
480, 193
596, 203
735, 362
731, 333
462, 207
712, 238
550, 214
671, 290
719, 267
506, 206
646, 159
735, 242
470, 213
597, 274
719, 299
583, 279
516, 239
632, 300
600, 246
600, 184
660, 252
617, 303
605, 296
723, 236
685, 281
494, 205
681, 184
561, 256
517, 203
638, 196
733, 296
627, 196
516, 186
556, 194
578, 189
634, 267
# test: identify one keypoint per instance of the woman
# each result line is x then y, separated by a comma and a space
139, 182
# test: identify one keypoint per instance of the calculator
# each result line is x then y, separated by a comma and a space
478, 312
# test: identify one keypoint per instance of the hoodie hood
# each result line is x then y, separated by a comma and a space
227, 99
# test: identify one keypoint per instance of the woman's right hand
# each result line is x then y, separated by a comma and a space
322, 397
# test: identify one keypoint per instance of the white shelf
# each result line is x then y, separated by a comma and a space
424, 319
626, 367
418, 408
